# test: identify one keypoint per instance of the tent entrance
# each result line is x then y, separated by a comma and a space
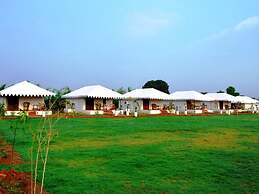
221, 105
89, 104
145, 104
12, 103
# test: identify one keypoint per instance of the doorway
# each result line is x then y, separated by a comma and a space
13, 103
221, 105
89, 104
145, 104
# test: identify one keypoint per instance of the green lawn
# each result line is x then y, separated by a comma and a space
216, 154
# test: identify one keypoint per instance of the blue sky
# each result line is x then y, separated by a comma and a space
193, 45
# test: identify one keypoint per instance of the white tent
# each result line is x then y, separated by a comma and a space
95, 91
146, 100
222, 102
91, 100
190, 101
25, 88
246, 100
190, 95
25, 96
221, 97
147, 93
247, 103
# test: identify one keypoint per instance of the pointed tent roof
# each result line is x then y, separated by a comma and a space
25, 88
95, 91
147, 93
190, 95
221, 97
246, 100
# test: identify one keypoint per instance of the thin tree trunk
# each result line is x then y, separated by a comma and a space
32, 148
45, 163
36, 165
14, 138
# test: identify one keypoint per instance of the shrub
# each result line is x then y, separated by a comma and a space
2, 109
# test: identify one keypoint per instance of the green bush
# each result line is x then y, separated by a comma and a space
2, 109
56, 103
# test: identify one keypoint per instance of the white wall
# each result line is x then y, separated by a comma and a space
79, 104
180, 105
247, 106
214, 106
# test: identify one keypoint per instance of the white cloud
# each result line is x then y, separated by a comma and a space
140, 24
247, 23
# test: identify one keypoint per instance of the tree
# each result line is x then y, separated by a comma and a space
220, 91
57, 103
157, 84
232, 91
130, 89
121, 90
2, 86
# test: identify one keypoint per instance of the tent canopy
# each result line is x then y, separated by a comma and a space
221, 97
25, 88
246, 100
190, 95
95, 91
147, 93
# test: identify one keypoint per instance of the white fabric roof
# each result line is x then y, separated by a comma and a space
246, 100
190, 95
147, 93
221, 97
25, 88
95, 91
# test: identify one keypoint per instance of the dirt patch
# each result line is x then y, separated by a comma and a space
16, 182
7, 156
222, 140
12, 181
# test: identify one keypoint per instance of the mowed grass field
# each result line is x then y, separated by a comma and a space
214, 154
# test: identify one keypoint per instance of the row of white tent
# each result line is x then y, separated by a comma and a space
97, 99
188, 101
